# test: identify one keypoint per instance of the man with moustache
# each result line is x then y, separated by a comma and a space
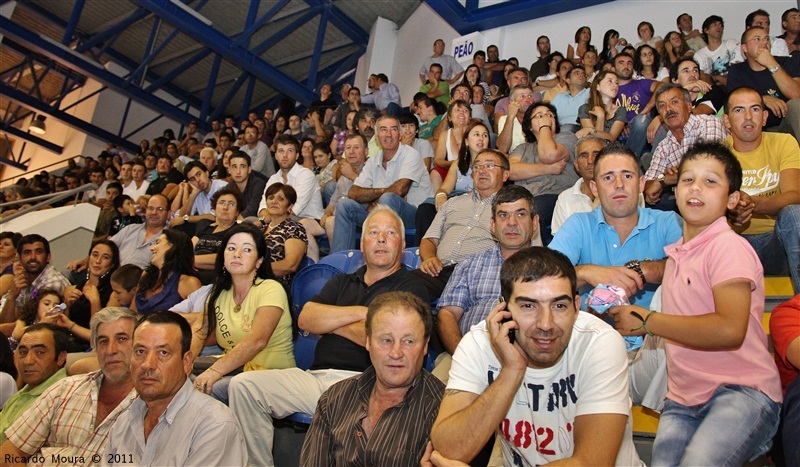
171, 423
33, 272
674, 105
579, 198
56, 424
473, 288
365, 126
40, 358
260, 157
393, 392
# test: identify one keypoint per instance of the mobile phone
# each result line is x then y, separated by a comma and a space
512, 333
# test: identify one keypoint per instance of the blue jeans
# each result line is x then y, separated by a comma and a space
637, 139
350, 215
735, 425
779, 251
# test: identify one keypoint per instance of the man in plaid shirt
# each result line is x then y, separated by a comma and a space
474, 287
674, 105
69, 423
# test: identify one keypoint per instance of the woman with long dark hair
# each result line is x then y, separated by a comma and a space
92, 291
248, 312
169, 278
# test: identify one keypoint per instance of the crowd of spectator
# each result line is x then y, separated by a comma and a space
623, 202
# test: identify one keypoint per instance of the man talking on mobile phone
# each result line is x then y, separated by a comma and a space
560, 392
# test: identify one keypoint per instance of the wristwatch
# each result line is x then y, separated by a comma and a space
774, 69
635, 265
186, 218
661, 180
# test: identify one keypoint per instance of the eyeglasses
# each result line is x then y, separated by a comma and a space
487, 166
230, 204
155, 209
760, 39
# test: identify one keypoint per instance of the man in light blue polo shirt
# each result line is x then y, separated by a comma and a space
618, 243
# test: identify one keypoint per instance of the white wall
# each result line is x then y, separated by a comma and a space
415, 38
415, 43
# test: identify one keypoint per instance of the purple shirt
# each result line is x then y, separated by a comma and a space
634, 96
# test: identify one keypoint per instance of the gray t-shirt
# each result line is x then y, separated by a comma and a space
548, 184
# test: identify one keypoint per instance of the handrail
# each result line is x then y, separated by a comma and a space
47, 200
41, 168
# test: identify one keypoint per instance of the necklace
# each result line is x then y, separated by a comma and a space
237, 306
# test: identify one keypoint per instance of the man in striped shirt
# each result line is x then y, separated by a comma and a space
382, 416
69, 423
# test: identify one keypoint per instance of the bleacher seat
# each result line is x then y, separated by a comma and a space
346, 261
411, 258
308, 282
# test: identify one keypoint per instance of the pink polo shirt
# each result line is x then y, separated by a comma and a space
717, 255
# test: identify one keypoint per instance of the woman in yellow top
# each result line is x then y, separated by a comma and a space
247, 313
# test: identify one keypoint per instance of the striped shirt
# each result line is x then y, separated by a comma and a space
462, 227
59, 426
336, 436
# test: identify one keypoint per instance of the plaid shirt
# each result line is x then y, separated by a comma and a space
61, 422
670, 152
49, 278
462, 227
474, 287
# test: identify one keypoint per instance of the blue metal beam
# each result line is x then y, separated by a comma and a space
73, 21
228, 96
468, 20
98, 38
212, 84
339, 68
249, 30
342, 22
248, 97
281, 35
33, 139
73, 122
115, 56
323, 25
223, 45
81, 64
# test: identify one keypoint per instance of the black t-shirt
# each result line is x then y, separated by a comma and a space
336, 352
740, 75
158, 185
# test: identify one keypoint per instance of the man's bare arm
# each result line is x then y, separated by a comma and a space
789, 184
447, 326
466, 420
597, 439
400, 187
325, 319
365, 195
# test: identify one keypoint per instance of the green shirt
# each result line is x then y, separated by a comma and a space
17, 404
443, 86
426, 129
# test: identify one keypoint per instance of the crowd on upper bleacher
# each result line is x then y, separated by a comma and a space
663, 178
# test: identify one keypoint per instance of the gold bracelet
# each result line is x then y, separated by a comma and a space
216, 371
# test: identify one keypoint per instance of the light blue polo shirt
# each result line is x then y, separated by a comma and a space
586, 238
